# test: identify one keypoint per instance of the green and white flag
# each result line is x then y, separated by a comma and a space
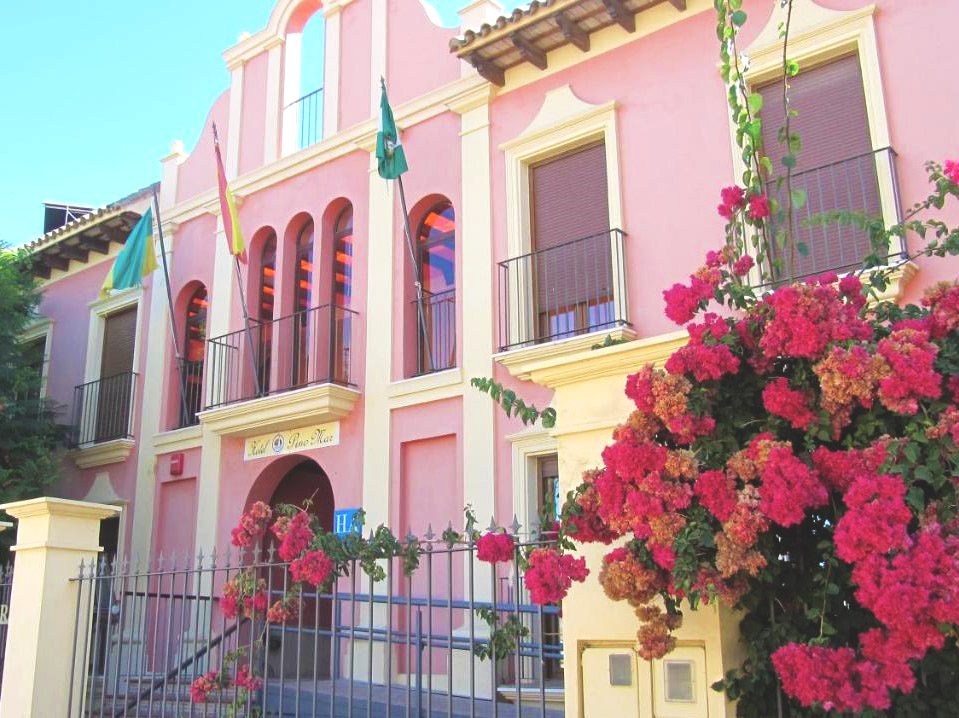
390, 158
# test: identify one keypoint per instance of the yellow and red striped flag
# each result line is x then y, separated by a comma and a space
231, 224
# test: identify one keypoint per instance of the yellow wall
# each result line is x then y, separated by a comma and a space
589, 401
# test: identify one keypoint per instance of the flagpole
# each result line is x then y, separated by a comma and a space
169, 299
416, 274
246, 324
239, 279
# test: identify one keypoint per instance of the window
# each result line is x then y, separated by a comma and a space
836, 166
436, 249
547, 488
679, 681
194, 345
114, 391
267, 294
342, 324
302, 303
35, 351
571, 264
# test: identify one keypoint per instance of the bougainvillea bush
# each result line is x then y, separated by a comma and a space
797, 459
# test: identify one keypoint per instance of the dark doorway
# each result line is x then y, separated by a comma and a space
305, 486
109, 541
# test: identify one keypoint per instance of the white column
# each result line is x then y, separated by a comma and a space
331, 68
474, 245
290, 129
53, 536
379, 351
378, 54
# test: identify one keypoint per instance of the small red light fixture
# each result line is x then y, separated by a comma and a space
176, 464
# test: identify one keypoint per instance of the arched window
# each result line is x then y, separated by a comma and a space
303, 317
343, 258
436, 249
194, 345
267, 293
303, 271
342, 296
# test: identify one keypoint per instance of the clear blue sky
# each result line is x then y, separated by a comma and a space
94, 91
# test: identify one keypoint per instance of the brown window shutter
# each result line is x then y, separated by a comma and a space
835, 166
119, 336
573, 279
570, 199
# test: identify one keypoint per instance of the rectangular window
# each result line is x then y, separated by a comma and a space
836, 166
571, 272
36, 353
114, 391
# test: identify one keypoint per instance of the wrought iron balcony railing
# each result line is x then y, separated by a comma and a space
563, 291
304, 119
864, 183
191, 376
309, 347
103, 410
439, 314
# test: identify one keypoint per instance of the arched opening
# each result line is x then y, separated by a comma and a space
303, 312
436, 258
304, 68
306, 486
266, 301
194, 349
342, 283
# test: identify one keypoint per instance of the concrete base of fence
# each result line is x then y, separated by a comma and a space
53, 536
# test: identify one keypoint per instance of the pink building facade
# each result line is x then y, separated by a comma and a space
565, 162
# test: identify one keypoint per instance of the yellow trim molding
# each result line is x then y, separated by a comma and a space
189, 437
288, 410
429, 387
522, 362
102, 454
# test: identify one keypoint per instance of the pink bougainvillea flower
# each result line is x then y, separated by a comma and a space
733, 199
294, 533
203, 686
742, 265
758, 206
951, 170
550, 575
495, 547
313, 567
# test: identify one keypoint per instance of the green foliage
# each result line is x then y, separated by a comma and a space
504, 635
513, 405
608, 341
29, 434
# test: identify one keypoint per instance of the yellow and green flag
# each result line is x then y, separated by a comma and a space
136, 260
390, 157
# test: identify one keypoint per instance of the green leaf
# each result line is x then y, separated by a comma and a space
802, 248
789, 161
792, 68
755, 102
798, 197
739, 18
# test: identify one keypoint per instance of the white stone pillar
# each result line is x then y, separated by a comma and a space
53, 537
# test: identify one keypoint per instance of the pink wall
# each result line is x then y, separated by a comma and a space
423, 45
355, 59
253, 116
198, 171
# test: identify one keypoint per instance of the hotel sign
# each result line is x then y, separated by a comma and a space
292, 441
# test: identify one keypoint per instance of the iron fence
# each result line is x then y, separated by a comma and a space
191, 385
103, 410
305, 348
865, 183
6, 586
563, 291
307, 113
439, 315
406, 645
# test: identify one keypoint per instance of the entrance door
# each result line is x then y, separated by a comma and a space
305, 650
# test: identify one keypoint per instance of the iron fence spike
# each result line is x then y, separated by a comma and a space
429, 535
515, 526
492, 524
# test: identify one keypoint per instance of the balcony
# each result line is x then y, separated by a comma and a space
864, 183
101, 428
562, 292
439, 315
297, 368
303, 121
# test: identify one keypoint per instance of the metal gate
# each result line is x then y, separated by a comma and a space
154, 637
